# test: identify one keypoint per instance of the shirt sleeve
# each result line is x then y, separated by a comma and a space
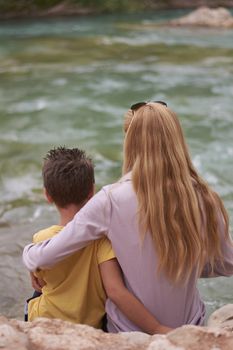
90, 223
35, 238
39, 237
104, 251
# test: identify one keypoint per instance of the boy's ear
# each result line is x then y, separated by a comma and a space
48, 197
91, 193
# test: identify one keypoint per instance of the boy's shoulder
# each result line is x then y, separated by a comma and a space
46, 233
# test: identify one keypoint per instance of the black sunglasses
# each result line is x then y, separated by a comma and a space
138, 105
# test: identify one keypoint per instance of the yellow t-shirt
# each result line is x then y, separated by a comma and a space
74, 290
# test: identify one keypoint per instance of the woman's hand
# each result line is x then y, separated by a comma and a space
37, 283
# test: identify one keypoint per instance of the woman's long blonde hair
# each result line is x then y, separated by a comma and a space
176, 205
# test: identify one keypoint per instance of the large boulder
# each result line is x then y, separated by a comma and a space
47, 334
206, 17
222, 317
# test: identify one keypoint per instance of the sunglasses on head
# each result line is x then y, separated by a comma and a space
138, 105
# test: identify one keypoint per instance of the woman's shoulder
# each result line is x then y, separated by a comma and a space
123, 182
121, 190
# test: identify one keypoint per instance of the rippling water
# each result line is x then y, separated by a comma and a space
69, 82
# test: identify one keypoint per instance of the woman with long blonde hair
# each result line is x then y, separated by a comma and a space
166, 225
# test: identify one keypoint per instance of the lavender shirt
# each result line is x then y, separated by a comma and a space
113, 212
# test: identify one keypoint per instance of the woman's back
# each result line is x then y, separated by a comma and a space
172, 305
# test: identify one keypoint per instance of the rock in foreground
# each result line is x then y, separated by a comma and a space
206, 17
45, 334
222, 317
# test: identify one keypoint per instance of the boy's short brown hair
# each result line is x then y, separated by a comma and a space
68, 176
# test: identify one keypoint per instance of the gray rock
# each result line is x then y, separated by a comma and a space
222, 317
206, 17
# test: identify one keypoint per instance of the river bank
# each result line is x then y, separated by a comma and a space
14, 9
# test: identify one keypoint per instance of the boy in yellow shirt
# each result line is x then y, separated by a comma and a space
74, 289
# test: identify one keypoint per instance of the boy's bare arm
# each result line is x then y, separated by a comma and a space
133, 309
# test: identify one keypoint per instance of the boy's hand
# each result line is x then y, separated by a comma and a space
37, 283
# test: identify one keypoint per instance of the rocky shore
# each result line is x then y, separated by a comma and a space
64, 8
45, 334
34, 8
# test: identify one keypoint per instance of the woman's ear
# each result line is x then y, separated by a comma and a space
48, 197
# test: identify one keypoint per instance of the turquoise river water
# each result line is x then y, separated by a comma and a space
69, 82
